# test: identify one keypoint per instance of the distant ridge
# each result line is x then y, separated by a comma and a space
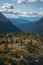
6, 26
16, 21
35, 27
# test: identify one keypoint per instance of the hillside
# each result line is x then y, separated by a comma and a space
21, 49
36, 26
6, 25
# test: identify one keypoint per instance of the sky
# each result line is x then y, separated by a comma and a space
21, 8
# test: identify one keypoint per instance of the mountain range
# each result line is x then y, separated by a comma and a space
17, 25
20, 21
6, 26
23, 19
28, 26
36, 26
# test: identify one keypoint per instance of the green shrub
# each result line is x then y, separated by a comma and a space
31, 47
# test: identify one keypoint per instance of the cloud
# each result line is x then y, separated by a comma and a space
41, 0
32, 0
2, 10
40, 13
31, 14
21, 1
26, 1
9, 11
40, 9
10, 15
24, 14
7, 6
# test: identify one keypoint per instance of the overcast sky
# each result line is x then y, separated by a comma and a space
24, 8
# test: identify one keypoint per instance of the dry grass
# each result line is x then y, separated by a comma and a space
17, 39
